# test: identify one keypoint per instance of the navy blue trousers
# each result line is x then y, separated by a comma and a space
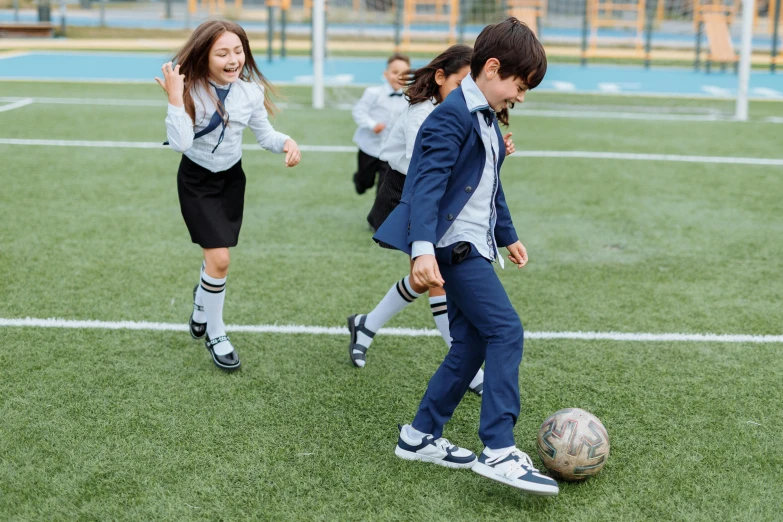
484, 327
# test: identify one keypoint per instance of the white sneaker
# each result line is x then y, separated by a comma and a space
515, 469
437, 451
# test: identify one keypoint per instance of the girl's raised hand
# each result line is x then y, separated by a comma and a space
173, 83
510, 149
292, 153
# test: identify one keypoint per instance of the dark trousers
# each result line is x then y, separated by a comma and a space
484, 327
365, 177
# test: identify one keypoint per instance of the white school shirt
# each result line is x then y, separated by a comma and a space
245, 107
376, 106
475, 222
398, 148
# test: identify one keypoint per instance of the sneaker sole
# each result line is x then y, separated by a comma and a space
535, 489
408, 455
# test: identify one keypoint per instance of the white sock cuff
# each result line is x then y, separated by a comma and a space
411, 435
405, 290
498, 452
438, 305
212, 284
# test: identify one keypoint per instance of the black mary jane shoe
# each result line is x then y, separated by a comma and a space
228, 362
197, 330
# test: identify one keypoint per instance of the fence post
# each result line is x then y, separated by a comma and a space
270, 32
651, 8
62, 18
775, 36
585, 30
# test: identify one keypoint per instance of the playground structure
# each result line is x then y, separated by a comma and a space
530, 12
429, 11
615, 14
611, 29
714, 18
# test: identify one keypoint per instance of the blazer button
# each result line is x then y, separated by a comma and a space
450, 217
468, 189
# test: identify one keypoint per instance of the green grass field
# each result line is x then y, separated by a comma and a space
138, 425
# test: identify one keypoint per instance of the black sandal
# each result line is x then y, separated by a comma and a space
354, 344
197, 330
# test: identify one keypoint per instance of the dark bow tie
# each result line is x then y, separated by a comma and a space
396, 94
489, 116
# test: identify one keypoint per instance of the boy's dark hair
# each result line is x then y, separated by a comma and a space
421, 82
398, 56
517, 49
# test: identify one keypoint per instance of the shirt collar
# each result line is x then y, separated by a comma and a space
388, 88
218, 86
474, 98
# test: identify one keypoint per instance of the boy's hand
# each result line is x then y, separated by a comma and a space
173, 84
379, 128
425, 272
292, 153
517, 254
510, 149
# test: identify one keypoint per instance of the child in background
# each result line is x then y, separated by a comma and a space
374, 114
215, 90
427, 87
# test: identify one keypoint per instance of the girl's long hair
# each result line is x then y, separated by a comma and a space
421, 82
193, 60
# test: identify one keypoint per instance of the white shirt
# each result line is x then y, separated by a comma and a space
245, 107
476, 221
398, 148
376, 106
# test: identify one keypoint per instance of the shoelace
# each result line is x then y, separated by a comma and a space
443, 445
524, 463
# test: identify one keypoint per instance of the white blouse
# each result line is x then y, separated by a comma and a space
398, 149
245, 107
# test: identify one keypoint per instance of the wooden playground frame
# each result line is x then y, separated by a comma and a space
711, 18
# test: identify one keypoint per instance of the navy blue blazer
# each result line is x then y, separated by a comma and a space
447, 164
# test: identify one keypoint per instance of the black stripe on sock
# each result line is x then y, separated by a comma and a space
222, 289
436, 314
404, 291
213, 285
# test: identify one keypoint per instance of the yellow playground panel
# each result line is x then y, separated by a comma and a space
438, 11
528, 11
219, 6
617, 14
715, 17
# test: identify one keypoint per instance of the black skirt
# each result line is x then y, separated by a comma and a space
388, 197
212, 203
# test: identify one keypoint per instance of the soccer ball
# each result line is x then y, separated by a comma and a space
573, 444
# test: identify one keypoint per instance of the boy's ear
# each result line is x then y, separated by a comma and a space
491, 68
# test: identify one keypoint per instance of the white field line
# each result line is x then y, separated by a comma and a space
554, 154
16, 104
404, 332
608, 113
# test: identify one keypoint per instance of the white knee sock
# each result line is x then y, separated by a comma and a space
198, 302
441, 316
214, 294
398, 297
